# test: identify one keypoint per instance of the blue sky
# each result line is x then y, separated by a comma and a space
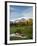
20, 11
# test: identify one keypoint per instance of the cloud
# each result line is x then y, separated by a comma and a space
27, 13
14, 14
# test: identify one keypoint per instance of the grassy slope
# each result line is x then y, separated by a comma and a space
26, 30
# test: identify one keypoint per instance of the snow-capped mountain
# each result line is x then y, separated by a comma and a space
19, 20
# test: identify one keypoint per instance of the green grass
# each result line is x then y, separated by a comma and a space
26, 30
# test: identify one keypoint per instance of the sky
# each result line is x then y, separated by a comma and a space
20, 11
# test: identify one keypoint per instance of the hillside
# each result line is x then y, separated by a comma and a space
22, 21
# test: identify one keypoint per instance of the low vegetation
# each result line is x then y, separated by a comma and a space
24, 28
